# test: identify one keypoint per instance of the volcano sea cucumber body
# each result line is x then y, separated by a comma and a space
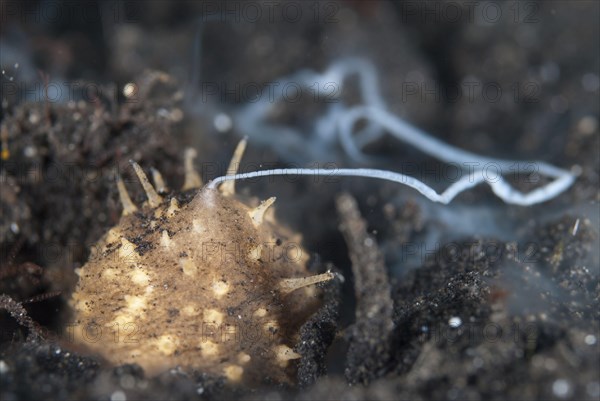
214, 285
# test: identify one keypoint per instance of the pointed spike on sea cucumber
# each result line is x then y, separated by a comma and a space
173, 207
228, 187
288, 285
127, 251
154, 199
159, 183
258, 213
165, 240
283, 354
128, 206
192, 178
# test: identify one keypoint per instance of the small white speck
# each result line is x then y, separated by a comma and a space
239, 316
130, 90
16, 65
223, 122
590, 339
200, 390
57, 352
14, 227
3, 367
118, 396
575, 227
561, 388
29, 151
455, 322
34, 118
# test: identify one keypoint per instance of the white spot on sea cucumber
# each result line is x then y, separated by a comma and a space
165, 240
209, 348
233, 372
167, 344
213, 316
139, 276
243, 358
260, 312
197, 226
220, 288
190, 310
188, 266
109, 274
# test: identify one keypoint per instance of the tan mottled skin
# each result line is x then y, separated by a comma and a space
195, 286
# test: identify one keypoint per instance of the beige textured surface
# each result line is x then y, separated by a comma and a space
195, 286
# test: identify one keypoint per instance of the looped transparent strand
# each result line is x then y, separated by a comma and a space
340, 121
500, 187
